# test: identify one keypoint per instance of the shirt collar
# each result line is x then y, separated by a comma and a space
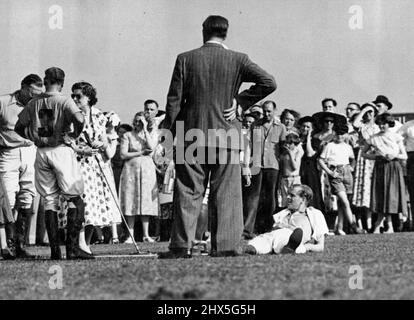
219, 43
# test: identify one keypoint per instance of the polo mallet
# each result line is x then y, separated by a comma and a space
116, 202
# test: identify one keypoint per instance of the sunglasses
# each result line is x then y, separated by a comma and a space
76, 96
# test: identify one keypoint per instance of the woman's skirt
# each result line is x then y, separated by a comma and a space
138, 188
310, 175
388, 193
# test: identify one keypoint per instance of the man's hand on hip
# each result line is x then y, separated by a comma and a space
233, 112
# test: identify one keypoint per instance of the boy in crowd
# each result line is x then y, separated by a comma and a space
337, 160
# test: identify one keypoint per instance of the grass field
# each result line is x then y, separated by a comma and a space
386, 261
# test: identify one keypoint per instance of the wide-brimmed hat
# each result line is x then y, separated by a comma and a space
337, 118
370, 105
384, 100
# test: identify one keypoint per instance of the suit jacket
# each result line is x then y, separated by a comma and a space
204, 83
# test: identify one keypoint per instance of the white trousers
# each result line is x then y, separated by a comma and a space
274, 241
17, 170
57, 173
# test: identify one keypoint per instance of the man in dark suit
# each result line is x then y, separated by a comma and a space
204, 82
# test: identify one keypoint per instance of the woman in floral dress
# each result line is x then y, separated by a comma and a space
365, 124
91, 147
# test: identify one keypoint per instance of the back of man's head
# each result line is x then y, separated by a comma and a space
215, 26
54, 75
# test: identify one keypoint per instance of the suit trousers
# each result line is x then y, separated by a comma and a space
264, 183
225, 201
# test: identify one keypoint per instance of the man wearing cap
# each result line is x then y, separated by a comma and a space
47, 121
384, 105
17, 156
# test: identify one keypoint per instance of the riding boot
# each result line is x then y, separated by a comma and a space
9, 253
74, 226
52, 227
21, 225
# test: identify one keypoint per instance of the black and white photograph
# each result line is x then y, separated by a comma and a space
233, 151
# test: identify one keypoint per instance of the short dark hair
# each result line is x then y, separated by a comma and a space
269, 102
305, 192
149, 101
385, 118
32, 79
88, 90
292, 138
215, 26
54, 75
251, 115
329, 99
127, 127
294, 113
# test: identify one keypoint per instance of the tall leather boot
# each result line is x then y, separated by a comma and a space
9, 253
21, 224
52, 227
73, 252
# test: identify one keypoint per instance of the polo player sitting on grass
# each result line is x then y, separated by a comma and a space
297, 229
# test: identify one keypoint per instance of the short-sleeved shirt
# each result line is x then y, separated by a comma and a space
266, 144
312, 223
47, 118
337, 154
10, 109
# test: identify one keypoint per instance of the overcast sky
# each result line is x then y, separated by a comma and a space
127, 48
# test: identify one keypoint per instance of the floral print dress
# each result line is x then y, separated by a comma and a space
97, 196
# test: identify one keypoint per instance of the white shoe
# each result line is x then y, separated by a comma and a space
377, 231
148, 239
129, 241
340, 232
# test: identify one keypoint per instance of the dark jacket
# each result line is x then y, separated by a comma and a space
204, 83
